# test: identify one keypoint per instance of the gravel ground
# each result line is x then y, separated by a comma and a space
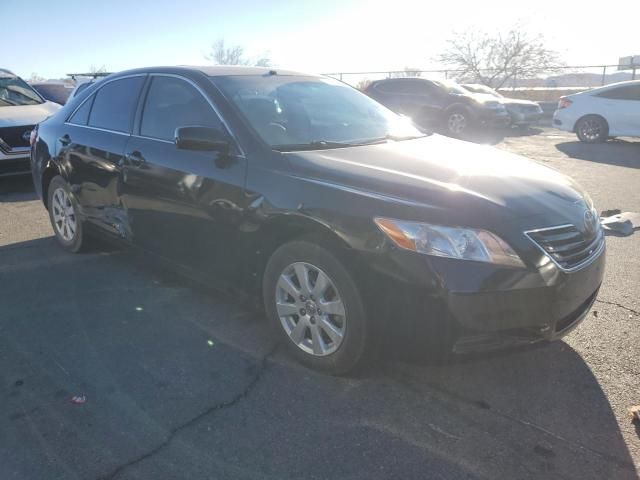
181, 382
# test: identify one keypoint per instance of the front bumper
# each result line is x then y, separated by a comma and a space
482, 307
525, 118
493, 119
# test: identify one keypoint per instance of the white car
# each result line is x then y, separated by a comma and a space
598, 114
21, 108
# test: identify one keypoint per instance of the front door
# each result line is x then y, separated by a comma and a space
184, 205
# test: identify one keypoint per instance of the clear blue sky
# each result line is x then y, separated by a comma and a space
53, 38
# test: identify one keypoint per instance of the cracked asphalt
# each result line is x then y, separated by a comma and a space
182, 382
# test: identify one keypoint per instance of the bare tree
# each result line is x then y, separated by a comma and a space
234, 55
36, 78
495, 59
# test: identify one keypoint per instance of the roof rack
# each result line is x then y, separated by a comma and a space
91, 75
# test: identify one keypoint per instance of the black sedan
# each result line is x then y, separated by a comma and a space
439, 104
349, 223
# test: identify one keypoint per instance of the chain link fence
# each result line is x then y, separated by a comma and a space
546, 86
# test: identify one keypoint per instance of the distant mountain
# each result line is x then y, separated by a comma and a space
575, 80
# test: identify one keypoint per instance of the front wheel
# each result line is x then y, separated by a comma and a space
316, 307
592, 129
63, 214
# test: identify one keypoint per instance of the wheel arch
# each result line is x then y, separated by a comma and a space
47, 175
582, 117
284, 228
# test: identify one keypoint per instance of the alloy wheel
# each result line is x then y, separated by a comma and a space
457, 123
310, 309
591, 129
64, 217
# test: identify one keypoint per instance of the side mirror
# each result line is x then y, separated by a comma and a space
202, 138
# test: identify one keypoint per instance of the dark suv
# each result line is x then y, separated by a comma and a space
439, 104
347, 221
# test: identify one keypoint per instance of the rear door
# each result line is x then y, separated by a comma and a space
91, 149
184, 205
621, 107
416, 98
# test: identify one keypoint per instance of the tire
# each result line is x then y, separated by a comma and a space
457, 122
334, 341
66, 224
592, 129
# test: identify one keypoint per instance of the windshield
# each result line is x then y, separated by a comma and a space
452, 87
297, 112
15, 91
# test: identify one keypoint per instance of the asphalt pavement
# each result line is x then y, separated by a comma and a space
183, 382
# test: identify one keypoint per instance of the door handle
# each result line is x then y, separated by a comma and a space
135, 159
65, 140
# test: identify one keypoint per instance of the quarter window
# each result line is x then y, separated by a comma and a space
627, 92
82, 114
114, 104
172, 103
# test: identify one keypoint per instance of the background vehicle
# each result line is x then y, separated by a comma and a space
57, 92
595, 115
84, 80
523, 113
21, 108
347, 220
439, 104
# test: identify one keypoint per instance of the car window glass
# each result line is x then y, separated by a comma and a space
172, 103
114, 104
81, 116
407, 87
627, 92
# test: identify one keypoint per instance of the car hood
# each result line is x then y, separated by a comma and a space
18, 115
456, 182
484, 98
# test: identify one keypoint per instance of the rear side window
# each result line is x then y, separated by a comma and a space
114, 104
627, 92
81, 116
407, 87
171, 103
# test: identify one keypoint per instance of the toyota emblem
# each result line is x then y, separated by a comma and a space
26, 136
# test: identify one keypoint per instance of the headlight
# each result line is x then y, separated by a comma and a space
451, 242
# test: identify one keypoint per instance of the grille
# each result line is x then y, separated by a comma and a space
567, 246
529, 108
12, 136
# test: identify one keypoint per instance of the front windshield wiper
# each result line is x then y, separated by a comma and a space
315, 145
386, 138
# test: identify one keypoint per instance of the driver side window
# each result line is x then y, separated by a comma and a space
172, 102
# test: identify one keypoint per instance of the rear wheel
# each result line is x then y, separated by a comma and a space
66, 224
458, 122
315, 305
592, 129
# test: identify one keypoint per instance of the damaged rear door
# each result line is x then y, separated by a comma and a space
92, 147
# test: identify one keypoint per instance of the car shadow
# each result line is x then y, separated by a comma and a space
619, 152
181, 382
17, 189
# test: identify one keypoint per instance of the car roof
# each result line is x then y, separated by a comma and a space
610, 86
220, 70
